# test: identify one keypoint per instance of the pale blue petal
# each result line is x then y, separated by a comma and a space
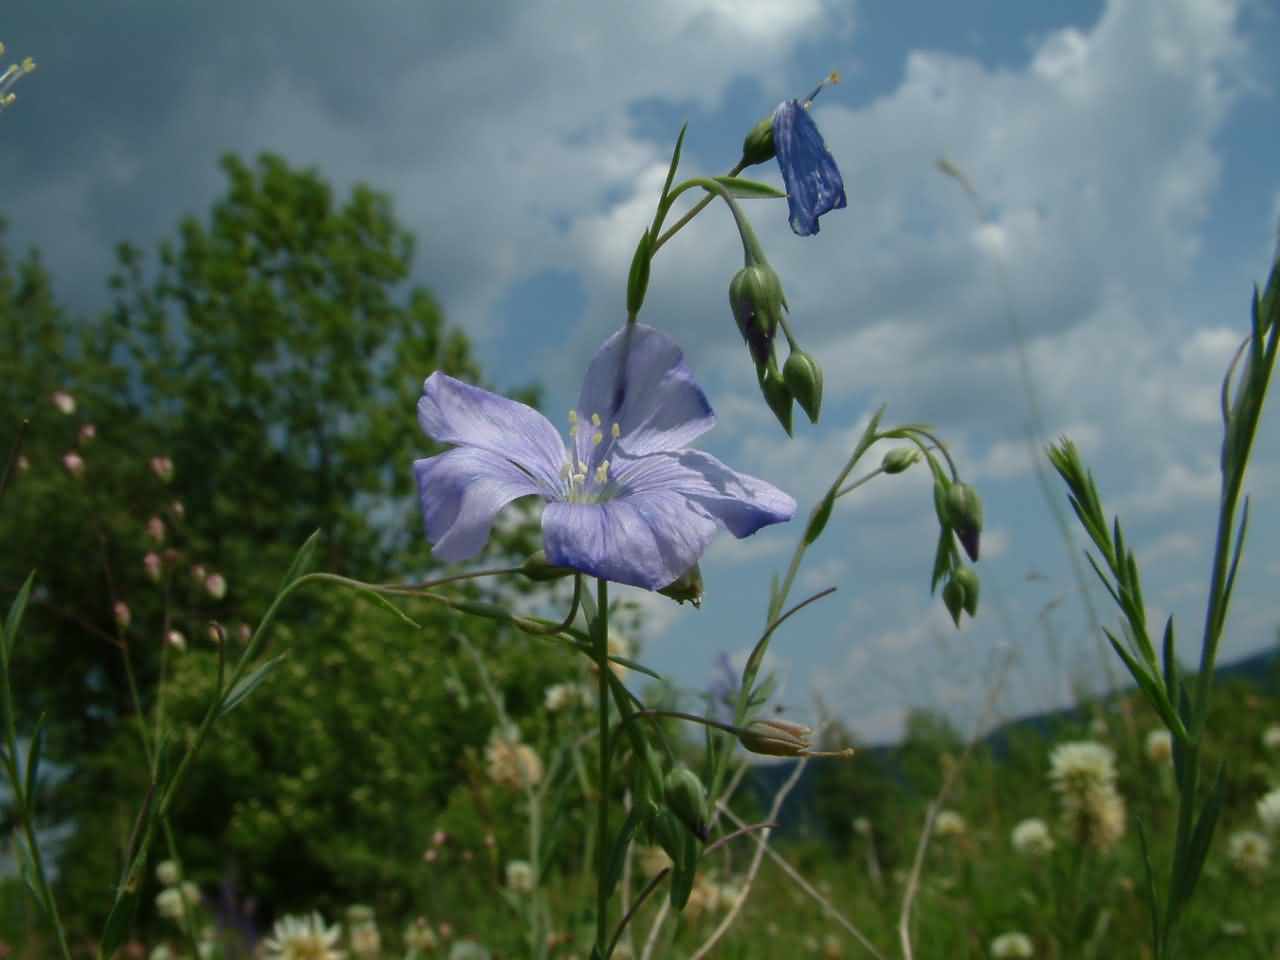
451, 411
813, 181
741, 502
462, 491
661, 407
647, 540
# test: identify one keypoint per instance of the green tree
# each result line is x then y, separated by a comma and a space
274, 355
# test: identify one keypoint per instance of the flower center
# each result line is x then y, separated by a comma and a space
586, 471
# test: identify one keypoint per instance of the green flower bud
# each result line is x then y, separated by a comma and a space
964, 511
538, 569
758, 145
757, 301
953, 596
687, 799
899, 459
776, 738
803, 378
776, 393
968, 580
687, 588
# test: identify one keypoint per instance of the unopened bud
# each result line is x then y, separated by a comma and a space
687, 588
199, 574
781, 738
776, 394
687, 799
87, 432
167, 873
757, 301
74, 463
758, 146
964, 511
972, 586
64, 401
217, 634
244, 632
216, 586
155, 529
155, 569
120, 610
803, 378
899, 459
176, 640
537, 568
953, 597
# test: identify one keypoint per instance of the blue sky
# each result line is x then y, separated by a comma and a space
1125, 154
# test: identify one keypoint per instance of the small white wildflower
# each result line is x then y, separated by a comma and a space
1081, 765
167, 873
949, 824
1032, 838
1271, 737
520, 876
511, 763
862, 826
1269, 810
303, 938
562, 696
1012, 944
1249, 852
1160, 746
419, 935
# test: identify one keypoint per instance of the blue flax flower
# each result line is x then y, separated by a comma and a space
626, 500
813, 180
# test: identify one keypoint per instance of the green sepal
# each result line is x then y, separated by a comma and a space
744, 189
941, 558
638, 278
803, 377
954, 600
1149, 878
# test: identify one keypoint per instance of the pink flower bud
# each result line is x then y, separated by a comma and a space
64, 401
155, 529
246, 634
162, 467
87, 432
154, 569
74, 463
216, 585
122, 614
216, 633
176, 640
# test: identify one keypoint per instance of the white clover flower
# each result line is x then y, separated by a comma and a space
1269, 810
949, 824
511, 763
1032, 838
167, 873
303, 938
1160, 746
1249, 852
1081, 765
169, 903
1271, 737
562, 696
520, 876
419, 935
1012, 944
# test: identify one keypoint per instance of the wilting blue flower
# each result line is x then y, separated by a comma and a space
813, 181
627, 501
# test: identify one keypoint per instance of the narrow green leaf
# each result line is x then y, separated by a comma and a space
1198, 848
16, 610
675, 162
618, 855
1230, 582
302, 560
247, 684
1155, 693
818, 519
685, 869
635, 665
33, 763
941, 559
1153, 901
119, 921
743, 189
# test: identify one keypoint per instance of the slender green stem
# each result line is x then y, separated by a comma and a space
696, 209
601, 630
752, 252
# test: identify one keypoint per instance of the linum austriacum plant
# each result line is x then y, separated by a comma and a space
1184, 707
628, 502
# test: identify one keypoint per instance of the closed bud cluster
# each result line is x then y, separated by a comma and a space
960, 595
781, 738
776, 394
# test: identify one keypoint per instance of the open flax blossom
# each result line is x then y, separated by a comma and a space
626, 500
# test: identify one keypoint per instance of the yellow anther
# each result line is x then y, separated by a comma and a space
597, 438
595, 419
573, 415
602, 472
615, 431
573, 429
7, 99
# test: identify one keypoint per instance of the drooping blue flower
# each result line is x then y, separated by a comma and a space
626, 501
812, 179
